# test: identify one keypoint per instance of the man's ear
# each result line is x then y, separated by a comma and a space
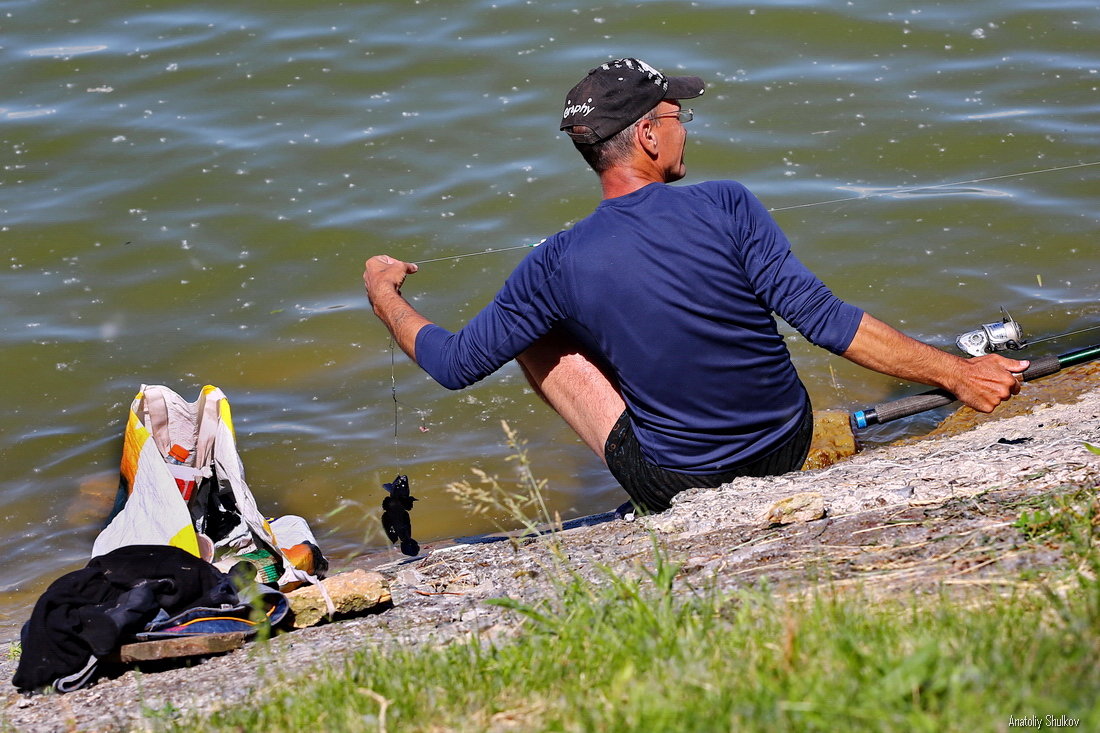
647, 136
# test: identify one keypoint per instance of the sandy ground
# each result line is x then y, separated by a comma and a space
931, 514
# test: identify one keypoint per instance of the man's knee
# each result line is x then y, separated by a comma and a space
548, 351
574, 385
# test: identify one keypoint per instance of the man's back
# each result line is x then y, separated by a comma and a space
673, 288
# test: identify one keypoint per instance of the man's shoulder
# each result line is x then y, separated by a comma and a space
719, 183
725, 195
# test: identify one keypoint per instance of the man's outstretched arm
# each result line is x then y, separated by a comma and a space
383, 277
982, 382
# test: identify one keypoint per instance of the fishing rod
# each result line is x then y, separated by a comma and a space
989, 338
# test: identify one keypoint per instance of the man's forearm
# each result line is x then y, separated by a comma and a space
982, 382
401, 319
884, 349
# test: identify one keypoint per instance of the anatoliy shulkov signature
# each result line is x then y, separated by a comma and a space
1046, 721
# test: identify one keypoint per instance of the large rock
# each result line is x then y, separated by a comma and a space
832, 441
354, 594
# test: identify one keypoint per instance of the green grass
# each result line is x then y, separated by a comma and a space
638, 653
631, 655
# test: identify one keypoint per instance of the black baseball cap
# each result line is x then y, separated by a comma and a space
616, 95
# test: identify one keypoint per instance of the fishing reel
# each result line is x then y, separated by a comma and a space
992, 337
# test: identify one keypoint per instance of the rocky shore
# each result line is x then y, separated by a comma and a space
935, 513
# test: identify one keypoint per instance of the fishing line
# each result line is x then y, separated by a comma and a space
482, 252
897, 191
893, 192
1062, 335
397, 404
393, 391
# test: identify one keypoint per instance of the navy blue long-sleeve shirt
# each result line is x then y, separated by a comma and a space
674, 289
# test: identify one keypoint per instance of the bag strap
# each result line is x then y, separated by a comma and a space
155, 416
207, 415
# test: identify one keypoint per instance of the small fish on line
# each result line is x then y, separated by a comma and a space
395, 514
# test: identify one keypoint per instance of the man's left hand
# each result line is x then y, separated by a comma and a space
383, 275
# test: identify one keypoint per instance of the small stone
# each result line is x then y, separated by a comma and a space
354, 594
410, 577
803, 507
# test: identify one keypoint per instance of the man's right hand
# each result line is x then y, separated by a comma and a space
986, 381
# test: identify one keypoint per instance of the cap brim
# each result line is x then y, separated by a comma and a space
684, 87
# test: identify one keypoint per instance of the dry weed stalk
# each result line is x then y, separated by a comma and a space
521, 503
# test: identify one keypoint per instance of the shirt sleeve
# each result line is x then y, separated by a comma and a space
788, 287
526, 307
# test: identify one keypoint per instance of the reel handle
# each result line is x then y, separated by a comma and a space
888, 411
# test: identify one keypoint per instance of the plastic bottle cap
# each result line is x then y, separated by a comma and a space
180, 453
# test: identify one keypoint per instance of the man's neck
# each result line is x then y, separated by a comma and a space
621, 180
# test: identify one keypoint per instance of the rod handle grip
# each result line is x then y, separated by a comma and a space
912, 405
1043, 366
896, 409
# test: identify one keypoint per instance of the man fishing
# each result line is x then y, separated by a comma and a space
648, 325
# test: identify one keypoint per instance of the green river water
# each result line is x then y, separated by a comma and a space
189, 191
